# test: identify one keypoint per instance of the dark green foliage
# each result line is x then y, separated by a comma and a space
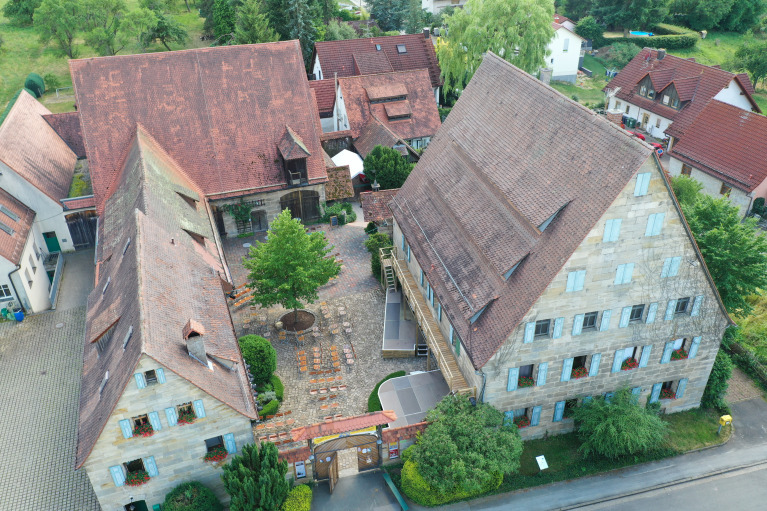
716, 388
300, 24
387, 166
255, 479
270, 408
621, 54
21, 12
758, 206
260, 355
299, 499
35, 83
375, 242
277, 386
618, 428
224, 19
577, 9
388, 13
343, 210
686, 189
743, 15
641, 14
421, 492
374, 404
104, 25
206, 11
253, 24
670, 37
59, 21
371, 228
191, 496
414, 19
4, 114
166, 30
589, 28
338, 31
750, 57
52, 81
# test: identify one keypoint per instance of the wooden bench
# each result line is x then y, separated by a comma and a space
395, 491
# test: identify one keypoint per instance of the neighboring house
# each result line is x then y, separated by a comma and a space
565, 22
725, 149
545, 260
375, 208
325, 96
665, 94
564, 54
353, 57
436, 6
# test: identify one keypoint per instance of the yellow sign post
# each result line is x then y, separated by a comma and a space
724, 420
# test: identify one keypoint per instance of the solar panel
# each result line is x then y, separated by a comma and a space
10, 214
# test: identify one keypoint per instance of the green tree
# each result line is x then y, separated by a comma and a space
21, 12
628, 14
751, 58
191, 496
589, 28
387, 166
291, 266
253, 24
104, 26
338, 31
622, 53
743, 15
516, 30
59, 21
716, 388
155, 5
577, 9
141, 21
206, 11
255, 479
375, 242
686, 189
415, 18
701, 14
388, 13
166, 30
618, 427
224, 19
260, 355
465, 447
300, 24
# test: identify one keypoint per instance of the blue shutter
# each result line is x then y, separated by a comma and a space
619, 274
160, 372
559, 323
118, 476
667, 352
605, 323
513, 379
231, 446
674, 270
670, 308
408, 253
636, 391
625, 316
403, 241
650, 225
628, 273
658, 226
696, 305
651, 312
666, 268
431, 296
607, 236
694, 348
172, 416
580, 279
543, 371
150, 466
577, 324
529, 331
680, 388
596, 358
451, 334
655, 392
422, 276
559, 411
508, 418
567, 368
644, 359
642, 185
154, 420
199, 409
125, 427
570, 282
617, 361
439, 312
140, 380
536, 418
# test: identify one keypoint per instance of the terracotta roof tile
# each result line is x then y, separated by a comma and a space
371, 62
67, 125
292, 147
397, 109
339, 185
325, 91
386, 90
390, 435
343, 425
18, 218
377, 133
79, 203
375, 205
294, 455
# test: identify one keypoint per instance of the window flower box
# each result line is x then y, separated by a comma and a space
679, 354
578, 373
137, 478
629, 364
667, 394
186, 418
522, 421
217, 454
143, 430
526, 381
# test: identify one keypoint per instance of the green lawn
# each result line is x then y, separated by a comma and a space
589, 93
708, 52
754, 327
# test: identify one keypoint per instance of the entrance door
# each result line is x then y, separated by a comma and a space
645, 121
367, 456
136, 506
303, 204
258, 221
82, 228
52, 242
333, 471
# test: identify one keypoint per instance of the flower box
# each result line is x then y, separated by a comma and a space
137, 478
667, 394
522, 421
679, 354
578, 373
217, 454
143, 430
629, 364
186, 418
526, 381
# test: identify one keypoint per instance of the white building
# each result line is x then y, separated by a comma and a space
563, 54
436, 6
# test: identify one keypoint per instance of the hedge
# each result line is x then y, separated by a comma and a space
270, 408
374, 404
299, 499
35, 83
338, 209
419, 491
4, 114
671, 37
277, 386
191, 496
260, 355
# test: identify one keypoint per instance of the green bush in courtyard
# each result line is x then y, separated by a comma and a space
191, 496
373, 243
418, 490
716, 388
260, 355
270, 408
299, 499
343, 210
277, 386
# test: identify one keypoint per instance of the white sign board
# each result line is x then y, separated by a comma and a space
542, 462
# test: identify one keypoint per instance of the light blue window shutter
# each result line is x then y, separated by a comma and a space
625, 316
580, 279
422, 277
154, 420
451, 334
408, 253
607, 236
570, 282
694, 348
529, 331
680, 388
666, 268
403, 241
674, 270
559, 411
655, 392
126, 428
513, 379
140, 380
150, 466
617, 361
172, 416
667, 352
696, 305
651, 312
642, 185
231, 446
605, 323
616, 230
160, 372
567, 369
543, 371
658, 226
559, 324
645, 358
596, 358
650, 225
619, 274
636, 390
508, 418
628, 273
118, 476
199, 409
577, 324
536, 418
439, 312
431, 296
670, 308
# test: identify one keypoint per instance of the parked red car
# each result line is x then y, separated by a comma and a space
638, 135
658, 147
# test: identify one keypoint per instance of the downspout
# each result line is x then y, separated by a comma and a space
484, 381
16, 291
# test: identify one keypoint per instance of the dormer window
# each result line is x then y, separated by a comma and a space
401, 48
646, 88
295, 171
294, 155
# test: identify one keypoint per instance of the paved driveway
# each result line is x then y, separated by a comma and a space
40, 367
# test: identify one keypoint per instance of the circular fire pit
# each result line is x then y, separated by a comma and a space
297, 323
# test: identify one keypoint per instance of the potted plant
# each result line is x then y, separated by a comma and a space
522, 421
143, 430
137, 478
217, 454
578, 373
629, 364
679, 354
186, 418
526, 381
667, 394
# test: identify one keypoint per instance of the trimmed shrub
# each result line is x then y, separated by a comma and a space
279, 388
35, 83
373, 244
758, 206
299, 499
191, 496
4, 114
51, 81
675, 38
716, 388
419, 491
374, 404
371, 228
343, 210
260, 355
270, 408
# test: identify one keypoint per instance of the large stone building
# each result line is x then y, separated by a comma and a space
550, 262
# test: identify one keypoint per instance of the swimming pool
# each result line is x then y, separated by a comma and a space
645, 34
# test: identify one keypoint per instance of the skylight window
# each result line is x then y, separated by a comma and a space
106, 286
545, 224
401, 48
5, 228
128, 336
103, 383
378, 47
10, 214
127, 244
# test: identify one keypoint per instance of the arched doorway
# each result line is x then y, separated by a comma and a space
303, 204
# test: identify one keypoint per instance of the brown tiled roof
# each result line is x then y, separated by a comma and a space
738, 152
34, 150
67, 125
471, 211
390, 435
558, 18
159, 278
370, 63
20, 221
329, 163
338, 56
79, 203
292, 147
397, 109
698, 83
343, 425
219, 112
377, 133
745, 81
294, 455
385, 90
339, 185
375, 205
325, 91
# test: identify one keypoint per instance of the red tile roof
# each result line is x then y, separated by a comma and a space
343, 425
19, 221
727, 142
377, 133
339, 56
79, 203
390, 435
370, 63
325, 91
291, 146
375, 205
294, 455
219, 112
32, 148
67, 125
558, 18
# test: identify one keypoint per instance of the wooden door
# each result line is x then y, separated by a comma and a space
367, 456
645, 121
333, 471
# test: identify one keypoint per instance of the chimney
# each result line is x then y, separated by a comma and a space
545, 75
426, 33
661, 53
615, 116
193, 335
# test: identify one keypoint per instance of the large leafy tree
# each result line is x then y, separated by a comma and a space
701, 14
743, 15
387, 166
516, 30
21, 12
107, 28
465, 447
166, 30
388, 13
338, 31
253, 24
60, 21
415, 18
290, 267
589, 28
300, 22
255, 479
627, 14
577, 9
751, 57
224, 19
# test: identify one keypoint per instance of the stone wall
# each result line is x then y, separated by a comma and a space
178, 451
